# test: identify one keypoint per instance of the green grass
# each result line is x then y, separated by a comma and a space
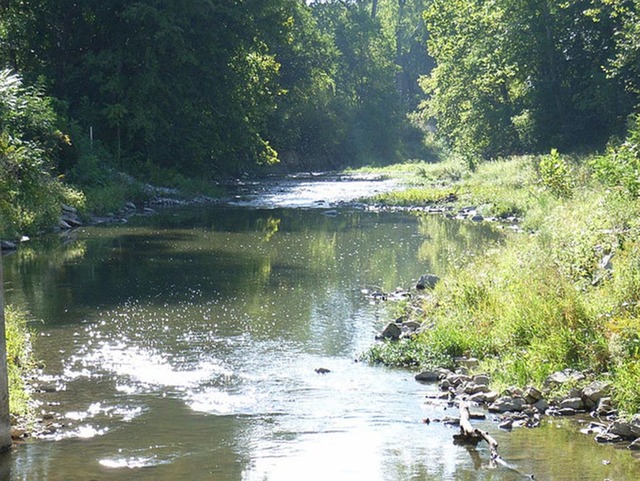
20, 360
541, 302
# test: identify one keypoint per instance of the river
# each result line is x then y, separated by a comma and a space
183, 346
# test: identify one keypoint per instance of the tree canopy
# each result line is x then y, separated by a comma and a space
525, 76
215, 87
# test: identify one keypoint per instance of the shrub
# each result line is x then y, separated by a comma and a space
619, 167
555, 175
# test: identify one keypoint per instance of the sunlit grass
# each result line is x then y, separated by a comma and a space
20, 360
566, 296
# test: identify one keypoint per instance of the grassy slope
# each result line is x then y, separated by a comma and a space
544, 301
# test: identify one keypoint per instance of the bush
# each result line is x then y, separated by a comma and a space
30, 193
619, 167
555, 175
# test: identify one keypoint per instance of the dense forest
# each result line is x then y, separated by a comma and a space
212, 88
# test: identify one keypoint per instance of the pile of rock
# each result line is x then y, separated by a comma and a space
517, 407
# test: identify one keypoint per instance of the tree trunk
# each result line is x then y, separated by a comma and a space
5, 422
374, 8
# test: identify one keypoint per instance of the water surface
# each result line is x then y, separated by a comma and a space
184, 346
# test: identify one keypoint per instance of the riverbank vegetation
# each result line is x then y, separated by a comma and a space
563, 294
538, 101
98, 99
20, 361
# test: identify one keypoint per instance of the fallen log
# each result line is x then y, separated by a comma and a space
470, 435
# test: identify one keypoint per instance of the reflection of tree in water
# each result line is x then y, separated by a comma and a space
448, 242
269, 227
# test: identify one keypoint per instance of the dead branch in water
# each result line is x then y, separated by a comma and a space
470, 435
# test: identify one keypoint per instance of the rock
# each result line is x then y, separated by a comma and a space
513, 391
69, 209
63, 225
427, 281
596, 391
568, 411
72, 219
605, 407
409, 328
507, 403
468, 362
506, 424
607, 437
130, 205
484, 397
541, 405
477, 218
635, 445
622, 429
571, 403
532, 395
458, 379
427, 376
391, 331
322, 370
481, 379
635, 425
561, 377
8, 245
18, 432
473, 388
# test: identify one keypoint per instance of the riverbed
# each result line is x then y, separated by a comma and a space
185, 344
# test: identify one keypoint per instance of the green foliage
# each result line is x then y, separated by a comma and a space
20, 360
566, 297
555, 175
30, 195
619, 167
523, 75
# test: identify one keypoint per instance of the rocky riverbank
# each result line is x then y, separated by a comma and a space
586, 399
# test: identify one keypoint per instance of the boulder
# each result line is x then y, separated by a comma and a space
622, 429
484, 397
635, 445
541, 405
507, 403
69, 209
481, 379
391, 331
473, 388
458, 379
532, 395
605, 406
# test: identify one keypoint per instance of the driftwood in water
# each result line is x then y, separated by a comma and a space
470, 435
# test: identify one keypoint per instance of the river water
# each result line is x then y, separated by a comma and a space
183, 346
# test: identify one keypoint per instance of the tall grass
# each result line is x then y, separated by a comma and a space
20, 360
567, 296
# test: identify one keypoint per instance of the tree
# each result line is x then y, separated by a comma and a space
521, 75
